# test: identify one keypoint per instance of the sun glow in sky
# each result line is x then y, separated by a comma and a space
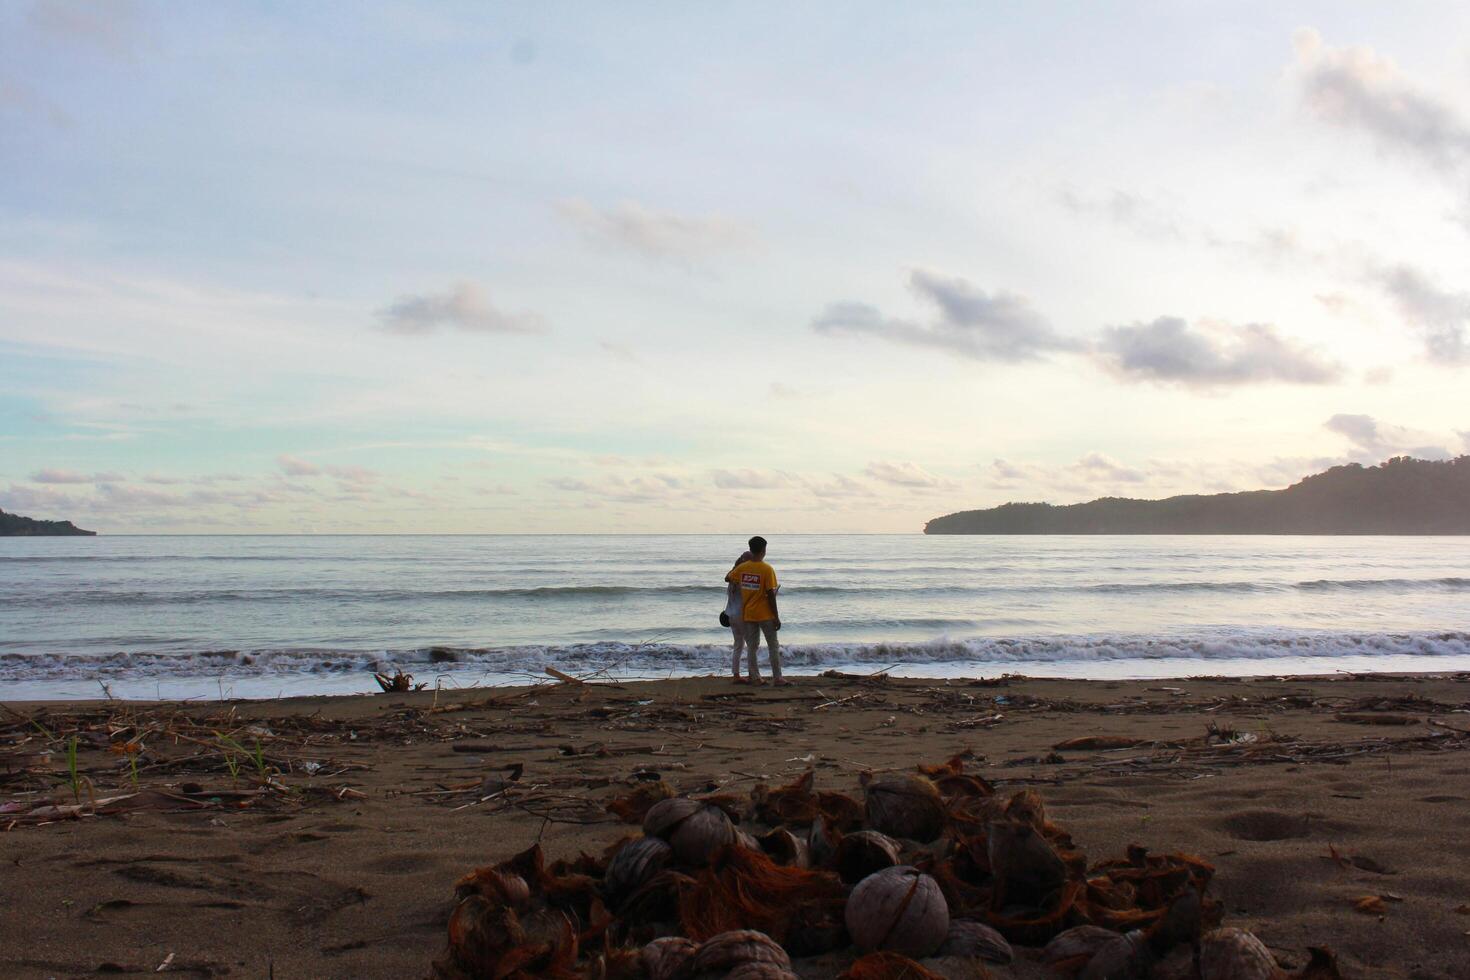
836, 266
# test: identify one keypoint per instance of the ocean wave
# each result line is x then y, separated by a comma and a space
52, 596
979, 653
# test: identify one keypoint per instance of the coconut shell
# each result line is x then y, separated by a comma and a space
905, 806
785, 848
694, 829
635, 864
720, 955
699, 835
1234, 954
747, 840
821, 843
662, 958
976, 940
1122, 958
755, 971
864, 853
1027, 867
899, 910
503, 887
665, 815
1079, 941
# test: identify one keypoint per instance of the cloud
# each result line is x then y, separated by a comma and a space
1098, 466
1357, 88
1374, 441
971, 323
839, 487
464, 307
910, 475
748, 479
1440, 316
50, 475
660, 235
1131, 211
1168, 350
295, 466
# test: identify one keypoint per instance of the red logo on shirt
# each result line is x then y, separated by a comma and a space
750, 580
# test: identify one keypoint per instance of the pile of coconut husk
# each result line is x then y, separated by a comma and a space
933, 874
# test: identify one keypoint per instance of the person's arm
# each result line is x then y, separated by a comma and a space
771, 588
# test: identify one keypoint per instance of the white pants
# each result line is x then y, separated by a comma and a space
737, 628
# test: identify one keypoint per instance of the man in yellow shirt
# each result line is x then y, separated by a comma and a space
757, 582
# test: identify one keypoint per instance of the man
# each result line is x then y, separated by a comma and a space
757, 582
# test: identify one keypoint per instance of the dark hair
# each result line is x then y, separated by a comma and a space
757, 545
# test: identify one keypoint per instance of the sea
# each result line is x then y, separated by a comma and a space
270, 616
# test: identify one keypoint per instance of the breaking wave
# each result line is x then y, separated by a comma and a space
662, 658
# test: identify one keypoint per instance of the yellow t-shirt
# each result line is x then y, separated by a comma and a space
755, 579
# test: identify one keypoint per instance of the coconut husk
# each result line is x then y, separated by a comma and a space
863, 853
744, 889
1036, 929
798, 804
785, 848
1026, 868
887, 966
635, 806
898, 910
904, 806
976, 940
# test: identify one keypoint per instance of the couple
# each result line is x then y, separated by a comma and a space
750, 610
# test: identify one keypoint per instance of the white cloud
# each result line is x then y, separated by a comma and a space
1441, 316
295, 466
1356, 87
907, 474
464, 307
1374, 441
972, 323
1168, 350
654, 234
751, 479
1099, 466
50, 475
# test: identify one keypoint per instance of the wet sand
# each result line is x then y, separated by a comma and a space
341, 863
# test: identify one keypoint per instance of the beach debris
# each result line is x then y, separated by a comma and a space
566, 678
663, 958
743, 953
971, 939
397, 683
634, 863
745, 887
907, 806
898, 910
635, 806
864, 853
1100, 743
1355, 718
1234, 954
888, 966
1370, 905
693, 828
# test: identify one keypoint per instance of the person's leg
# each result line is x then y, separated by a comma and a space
773, 645
752, 647
737, 629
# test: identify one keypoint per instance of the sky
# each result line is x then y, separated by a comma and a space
752, 268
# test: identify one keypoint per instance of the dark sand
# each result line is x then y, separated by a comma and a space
321, 882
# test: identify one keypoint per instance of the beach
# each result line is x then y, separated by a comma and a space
332, 849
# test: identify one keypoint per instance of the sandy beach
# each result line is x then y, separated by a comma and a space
1307, 794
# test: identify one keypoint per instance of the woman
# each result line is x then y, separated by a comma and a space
735, 610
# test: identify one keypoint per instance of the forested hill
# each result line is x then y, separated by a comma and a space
1401, 496
13, 525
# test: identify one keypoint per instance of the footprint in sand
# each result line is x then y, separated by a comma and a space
1266, 825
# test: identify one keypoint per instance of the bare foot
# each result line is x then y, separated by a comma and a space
757, 682
737, 679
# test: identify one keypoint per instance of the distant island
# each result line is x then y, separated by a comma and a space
1400, 496
15, 526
